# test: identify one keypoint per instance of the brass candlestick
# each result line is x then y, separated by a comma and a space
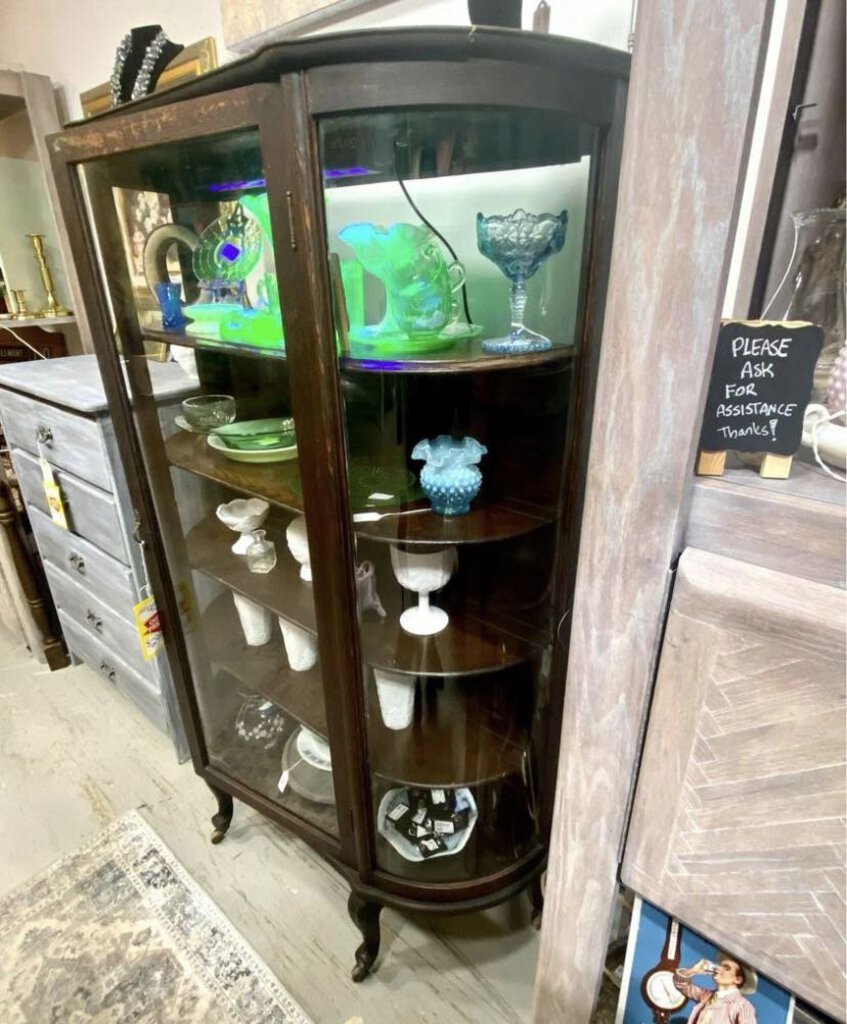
52, 308
19, 300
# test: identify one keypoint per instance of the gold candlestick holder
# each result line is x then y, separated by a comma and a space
21, 312
52, 308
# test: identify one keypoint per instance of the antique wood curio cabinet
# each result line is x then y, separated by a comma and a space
380, 259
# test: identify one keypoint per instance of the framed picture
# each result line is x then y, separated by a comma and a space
193, 60
138, 214
673, 976
250, 24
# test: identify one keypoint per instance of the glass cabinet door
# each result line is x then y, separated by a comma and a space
456, 242
185, 238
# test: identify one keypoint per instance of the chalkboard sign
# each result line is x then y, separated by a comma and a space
760, 386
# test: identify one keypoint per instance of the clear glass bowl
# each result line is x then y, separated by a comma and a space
205, 412
259, 721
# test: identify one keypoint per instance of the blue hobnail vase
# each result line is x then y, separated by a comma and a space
451, 478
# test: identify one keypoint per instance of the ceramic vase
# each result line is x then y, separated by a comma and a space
298, 544
423, 572
244, 515
451, 478
300, 647
396, 695
256, 621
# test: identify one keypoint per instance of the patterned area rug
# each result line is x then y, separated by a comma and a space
119, 933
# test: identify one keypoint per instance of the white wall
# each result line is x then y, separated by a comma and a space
601, 21
74, 41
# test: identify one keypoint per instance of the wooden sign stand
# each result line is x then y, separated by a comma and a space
773, 467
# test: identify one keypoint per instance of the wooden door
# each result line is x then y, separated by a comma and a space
738, 820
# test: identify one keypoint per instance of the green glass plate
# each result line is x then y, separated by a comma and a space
257, 435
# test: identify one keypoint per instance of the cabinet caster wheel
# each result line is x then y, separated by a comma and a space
223, 819
362, 969
365, 916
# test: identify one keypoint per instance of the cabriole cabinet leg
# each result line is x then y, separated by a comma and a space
365, 916
223, 818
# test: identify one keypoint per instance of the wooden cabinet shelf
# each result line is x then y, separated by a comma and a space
210, 343
463, 742
279, 483
468, 646
484, 523
263, 669
209, 547
276, 482
464, 357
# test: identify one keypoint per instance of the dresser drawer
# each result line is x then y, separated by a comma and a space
92, 513
68, 441
143, 693
97, 618
100, 573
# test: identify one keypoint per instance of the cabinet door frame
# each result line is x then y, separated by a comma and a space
264, 108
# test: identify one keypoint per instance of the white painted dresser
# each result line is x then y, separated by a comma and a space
57, 408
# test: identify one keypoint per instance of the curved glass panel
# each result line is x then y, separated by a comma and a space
457, 242
185, 232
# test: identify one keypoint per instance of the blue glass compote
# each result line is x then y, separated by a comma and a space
518, 243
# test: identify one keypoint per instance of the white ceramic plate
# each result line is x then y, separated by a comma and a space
313, 750
407, 849
243, 455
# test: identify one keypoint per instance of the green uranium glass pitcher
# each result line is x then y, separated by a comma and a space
419, 284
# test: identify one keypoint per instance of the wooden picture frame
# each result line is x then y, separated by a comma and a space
247, 26
138, 214
194, 60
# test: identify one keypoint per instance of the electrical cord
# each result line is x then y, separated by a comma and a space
23, 341
401, 142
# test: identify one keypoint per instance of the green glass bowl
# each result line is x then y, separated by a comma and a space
257, 435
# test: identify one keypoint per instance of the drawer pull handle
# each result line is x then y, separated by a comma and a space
94, 620
108, 671
44, 435
77, 561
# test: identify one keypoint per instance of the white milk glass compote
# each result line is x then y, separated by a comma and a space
243, 515
423, 572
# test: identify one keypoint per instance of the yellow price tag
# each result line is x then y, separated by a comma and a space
149, 627
53, 494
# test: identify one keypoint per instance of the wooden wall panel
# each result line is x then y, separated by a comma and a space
795, 526
738, 824
694, 84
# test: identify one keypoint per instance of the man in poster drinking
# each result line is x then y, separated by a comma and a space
726, 1004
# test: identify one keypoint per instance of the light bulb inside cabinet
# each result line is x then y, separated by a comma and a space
423, 572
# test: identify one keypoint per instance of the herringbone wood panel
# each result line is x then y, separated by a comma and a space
738, 826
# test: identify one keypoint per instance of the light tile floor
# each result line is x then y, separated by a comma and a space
74, 756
